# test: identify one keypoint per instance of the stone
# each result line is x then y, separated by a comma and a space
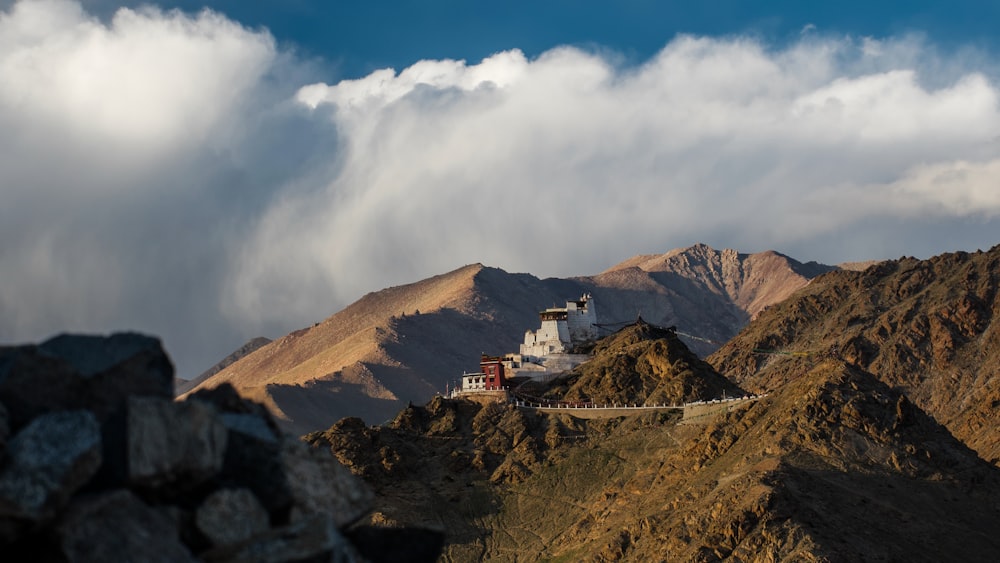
33, 383
172, 443
117, 526
230, 516
91, 354
115, 367
49, 460
319, 484
253, 461
253, 448
69, 372
249, 425
225, 398
313, 539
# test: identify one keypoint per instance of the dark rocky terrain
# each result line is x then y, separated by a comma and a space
404, 344
99, 463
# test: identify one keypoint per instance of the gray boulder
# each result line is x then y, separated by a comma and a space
82, 371
33, 383
48, 461
170, 443
253, 460
117, 526
230, 516
319, 484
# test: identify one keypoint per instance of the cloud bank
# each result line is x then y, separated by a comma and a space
180, 174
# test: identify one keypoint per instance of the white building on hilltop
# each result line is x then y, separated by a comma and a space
563, 328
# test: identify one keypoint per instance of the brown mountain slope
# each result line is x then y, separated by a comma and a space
834, 466
642, 364
391, 347
717, 291
928, 327
405, 343
249, 347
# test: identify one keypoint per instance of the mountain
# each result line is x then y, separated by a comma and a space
655, 367
249, 347
930, 328
404, 344
833, 465
726, 283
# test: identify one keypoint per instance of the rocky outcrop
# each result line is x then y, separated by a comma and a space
98, 463
642, 364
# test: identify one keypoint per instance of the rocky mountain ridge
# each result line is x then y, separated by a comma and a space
834, 465
404, 344
930, 328
640, 364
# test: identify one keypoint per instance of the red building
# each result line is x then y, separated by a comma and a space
492, 369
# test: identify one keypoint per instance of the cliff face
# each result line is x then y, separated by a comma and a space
404, 344
927, 327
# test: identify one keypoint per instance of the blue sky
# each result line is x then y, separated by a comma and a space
211, 176
358, 37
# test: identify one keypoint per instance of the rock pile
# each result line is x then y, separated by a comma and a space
98, 463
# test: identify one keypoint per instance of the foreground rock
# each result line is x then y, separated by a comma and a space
98, 463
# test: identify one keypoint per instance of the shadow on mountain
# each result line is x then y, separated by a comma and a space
318, 403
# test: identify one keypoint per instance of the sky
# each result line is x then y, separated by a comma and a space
213, 172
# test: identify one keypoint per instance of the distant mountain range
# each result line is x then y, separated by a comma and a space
404, 344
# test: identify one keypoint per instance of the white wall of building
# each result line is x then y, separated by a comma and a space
580, 321
557, 336
551, 338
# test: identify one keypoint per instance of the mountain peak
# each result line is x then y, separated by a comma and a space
643, 364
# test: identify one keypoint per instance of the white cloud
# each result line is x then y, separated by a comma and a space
178, 173
124, 168
141, 80
567, 163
